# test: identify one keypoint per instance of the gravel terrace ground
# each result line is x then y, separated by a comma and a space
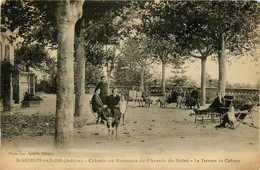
159, 134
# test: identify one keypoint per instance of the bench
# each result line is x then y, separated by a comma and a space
30, 103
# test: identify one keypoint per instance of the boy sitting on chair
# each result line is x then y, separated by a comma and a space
243, 112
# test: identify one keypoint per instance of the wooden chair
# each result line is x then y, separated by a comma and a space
216, 116
202, 116
208, 116
94, 113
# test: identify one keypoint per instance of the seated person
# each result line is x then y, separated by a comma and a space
27, 97
243, 112
97, 104
163, 100
31, 97
214, 107
173, 96
147, 97
113, 102
132, 94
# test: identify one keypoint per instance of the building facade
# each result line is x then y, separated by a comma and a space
7, 61
14, 82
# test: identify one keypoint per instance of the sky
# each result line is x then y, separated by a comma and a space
239, 71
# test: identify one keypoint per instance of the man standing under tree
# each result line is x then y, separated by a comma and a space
194, 97
103, 89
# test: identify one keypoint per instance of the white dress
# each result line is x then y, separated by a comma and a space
132, 94
122, 106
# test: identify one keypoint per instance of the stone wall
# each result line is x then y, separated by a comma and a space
23, 82
210, 92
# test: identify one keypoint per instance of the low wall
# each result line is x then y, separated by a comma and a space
210, 92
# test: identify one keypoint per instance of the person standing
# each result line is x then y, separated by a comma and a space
132, 95
180, 98
102, 85
173, 96
139, 97
123, 107
194, 97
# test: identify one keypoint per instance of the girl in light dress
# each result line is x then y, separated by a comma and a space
123, 107
139, 97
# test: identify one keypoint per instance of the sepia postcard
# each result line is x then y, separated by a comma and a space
129, 85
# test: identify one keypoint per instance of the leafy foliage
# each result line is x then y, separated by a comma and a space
127, 73
30, 21
34, 56
181, 81
93, 74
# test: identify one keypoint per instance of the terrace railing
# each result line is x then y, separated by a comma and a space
210, 91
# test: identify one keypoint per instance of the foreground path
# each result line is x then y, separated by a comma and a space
149, 133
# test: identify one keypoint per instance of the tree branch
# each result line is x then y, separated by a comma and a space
93, 25
231, 36
195, 56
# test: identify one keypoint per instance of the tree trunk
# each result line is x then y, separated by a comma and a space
142, 78
203, 81
80, 76
109, 73
222, 67
108, 78
67, 15
163, 77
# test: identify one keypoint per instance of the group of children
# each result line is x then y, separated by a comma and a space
180, 98
142, 97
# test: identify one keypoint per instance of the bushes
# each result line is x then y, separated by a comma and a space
46, 86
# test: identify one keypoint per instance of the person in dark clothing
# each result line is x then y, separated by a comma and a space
243, 112
113, 102
173, 97
97, 105
103, 89
194, 97
214, 107
27, 97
